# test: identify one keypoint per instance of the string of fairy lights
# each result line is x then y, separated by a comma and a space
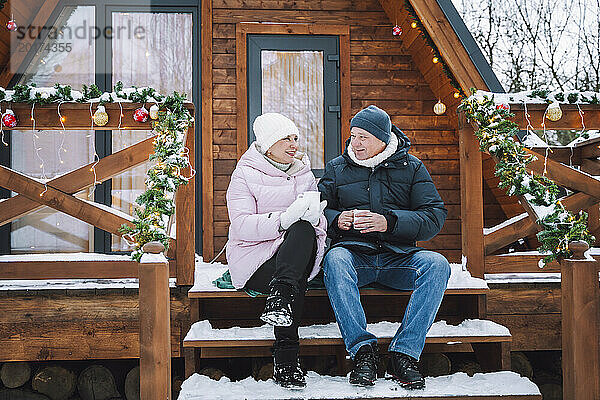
439, 108
496, 132
170, 122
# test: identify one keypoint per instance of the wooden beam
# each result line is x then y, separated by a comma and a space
17, 58
155, 326
580, 320
521, 226
185, 206
77, 116
471, 195
518, 263
561, 154
345, 88
81, 178
206, 163
590, 151
17, 270
525, 226
564, 175
89, 212
571, 119
241, 89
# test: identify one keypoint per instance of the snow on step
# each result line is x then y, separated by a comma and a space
203, 330
504, 383
205, 274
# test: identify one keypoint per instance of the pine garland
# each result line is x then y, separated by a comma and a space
496, 136
157, 203
425, 35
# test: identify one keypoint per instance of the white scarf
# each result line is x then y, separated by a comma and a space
377, 159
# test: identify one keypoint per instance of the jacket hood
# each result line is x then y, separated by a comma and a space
401, 151
252, 158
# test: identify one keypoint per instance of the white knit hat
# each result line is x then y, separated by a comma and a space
272, 127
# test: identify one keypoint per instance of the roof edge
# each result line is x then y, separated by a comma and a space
472, 48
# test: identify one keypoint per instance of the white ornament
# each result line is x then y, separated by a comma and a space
154, 112
553, 112
439, 108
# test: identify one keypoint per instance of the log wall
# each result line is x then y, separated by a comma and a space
46, 325
382, 73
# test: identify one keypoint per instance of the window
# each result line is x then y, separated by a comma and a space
140, 49
299, 77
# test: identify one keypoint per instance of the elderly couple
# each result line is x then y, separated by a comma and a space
378, 200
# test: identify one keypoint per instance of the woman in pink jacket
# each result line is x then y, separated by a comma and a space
277, 233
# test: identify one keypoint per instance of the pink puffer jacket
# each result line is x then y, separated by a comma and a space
257, 194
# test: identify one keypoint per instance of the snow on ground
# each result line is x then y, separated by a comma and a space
205, 274
202, 330
504, 383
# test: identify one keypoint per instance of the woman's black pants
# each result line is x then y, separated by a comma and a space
291, 264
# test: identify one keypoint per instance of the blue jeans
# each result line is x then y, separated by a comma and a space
425, 272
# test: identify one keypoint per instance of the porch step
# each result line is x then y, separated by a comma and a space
504, 385
232, 342
460, 283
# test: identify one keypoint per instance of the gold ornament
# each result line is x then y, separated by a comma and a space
154, 112
553, 112
100, 116
439, 108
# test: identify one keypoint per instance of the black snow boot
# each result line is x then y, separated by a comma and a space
278, 308
404, 370
286, 366
365, 366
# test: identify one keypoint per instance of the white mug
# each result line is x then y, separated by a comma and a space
314, 198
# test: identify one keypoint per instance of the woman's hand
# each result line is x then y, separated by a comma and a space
293, 212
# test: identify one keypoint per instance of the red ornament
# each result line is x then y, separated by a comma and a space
11, 25
141, 114
396, 30
503, 106
9, 119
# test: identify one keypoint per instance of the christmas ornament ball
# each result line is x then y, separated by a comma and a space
396, 30
101, 116
9, 119
503, 106
11, 25
553, 112
439, 108
141, 114
154, 112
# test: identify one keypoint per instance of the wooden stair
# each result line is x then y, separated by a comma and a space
503, 385
227, 326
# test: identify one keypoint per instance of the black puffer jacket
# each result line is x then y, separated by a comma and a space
399, 188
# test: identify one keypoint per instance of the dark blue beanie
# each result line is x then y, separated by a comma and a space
375, 121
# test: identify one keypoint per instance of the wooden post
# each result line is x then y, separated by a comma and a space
580, 323
471, 198
155, 326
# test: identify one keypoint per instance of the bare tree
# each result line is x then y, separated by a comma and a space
535, 44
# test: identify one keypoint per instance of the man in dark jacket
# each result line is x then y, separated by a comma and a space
380, 201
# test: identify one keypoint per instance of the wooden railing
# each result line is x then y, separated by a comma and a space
479, 249
59, 195
580, 322
155, 326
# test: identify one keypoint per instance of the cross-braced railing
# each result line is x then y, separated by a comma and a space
59, 194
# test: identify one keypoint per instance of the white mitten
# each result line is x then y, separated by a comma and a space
293, 212
313, 215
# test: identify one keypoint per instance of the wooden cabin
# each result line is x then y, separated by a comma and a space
231, 58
